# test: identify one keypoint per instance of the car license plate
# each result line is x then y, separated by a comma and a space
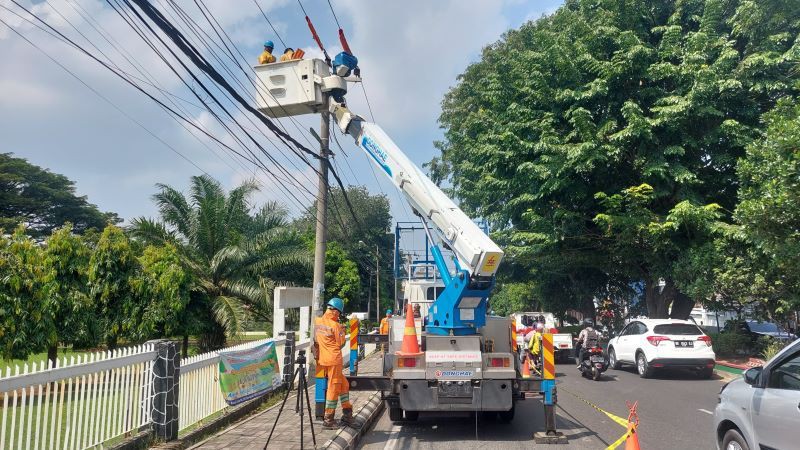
685, 344
597, 359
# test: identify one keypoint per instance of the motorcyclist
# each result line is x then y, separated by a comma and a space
586, 339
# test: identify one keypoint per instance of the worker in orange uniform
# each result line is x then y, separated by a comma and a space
330, 337
384, 329
266, 56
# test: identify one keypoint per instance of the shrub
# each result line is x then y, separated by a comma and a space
730, 344
770, 347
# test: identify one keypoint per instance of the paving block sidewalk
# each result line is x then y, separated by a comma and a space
252, 432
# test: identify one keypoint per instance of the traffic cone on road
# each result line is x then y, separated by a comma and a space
410, 345
632, 443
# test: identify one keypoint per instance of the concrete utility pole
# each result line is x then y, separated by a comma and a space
317, 305
377, 285
322, 212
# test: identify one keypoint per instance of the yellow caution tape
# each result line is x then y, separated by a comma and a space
622, 422
619, 441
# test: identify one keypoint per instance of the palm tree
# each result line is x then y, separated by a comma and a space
230, 252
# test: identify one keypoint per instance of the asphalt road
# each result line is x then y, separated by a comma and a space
674, 412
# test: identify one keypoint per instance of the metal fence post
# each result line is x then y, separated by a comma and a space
165, 379
288, 359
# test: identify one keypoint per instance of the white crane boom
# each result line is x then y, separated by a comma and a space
475, 251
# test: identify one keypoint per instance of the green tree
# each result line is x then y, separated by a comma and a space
26, 283
341, 276
510, 298
69, 305
112, 268
602, 140
359, 237
230, 255
43, 200
164, 286
769, 208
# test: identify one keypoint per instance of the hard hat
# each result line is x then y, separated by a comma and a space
588, 322
388, 311
336, 303
540, 326
269, 44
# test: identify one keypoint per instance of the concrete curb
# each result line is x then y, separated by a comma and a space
347, 438
726, 376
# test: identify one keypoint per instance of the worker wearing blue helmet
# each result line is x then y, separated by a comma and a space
329, 335
266, 56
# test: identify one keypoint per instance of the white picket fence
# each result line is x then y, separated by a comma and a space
200, 395
80, 403
88, 400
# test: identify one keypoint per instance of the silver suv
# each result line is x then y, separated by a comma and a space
762, 409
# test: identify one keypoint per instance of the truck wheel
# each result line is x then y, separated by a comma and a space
395, 414
412, 416
507, 416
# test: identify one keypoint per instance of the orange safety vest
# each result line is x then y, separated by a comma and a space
384, 326
330, 336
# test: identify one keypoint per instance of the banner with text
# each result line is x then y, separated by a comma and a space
247, 374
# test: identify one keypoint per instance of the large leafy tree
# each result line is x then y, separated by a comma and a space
112, 268
26, 283
69, 305
231, 255
43, 200
603, 139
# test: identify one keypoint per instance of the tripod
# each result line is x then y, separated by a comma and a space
302, 388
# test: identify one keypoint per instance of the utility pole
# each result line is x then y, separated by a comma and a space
322, 211
377, 286
320, 243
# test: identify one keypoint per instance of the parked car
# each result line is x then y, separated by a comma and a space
653, 344
756, 329
760, 410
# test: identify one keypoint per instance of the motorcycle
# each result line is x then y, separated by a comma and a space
594, 363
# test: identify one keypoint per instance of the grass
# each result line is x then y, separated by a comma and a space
37, 359
91, 410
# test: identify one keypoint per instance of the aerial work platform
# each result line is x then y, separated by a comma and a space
295, 87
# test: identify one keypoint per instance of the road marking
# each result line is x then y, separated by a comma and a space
706, 411
391, 443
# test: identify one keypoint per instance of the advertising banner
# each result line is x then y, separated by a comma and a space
250, 373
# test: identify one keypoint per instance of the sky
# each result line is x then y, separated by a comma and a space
116, 144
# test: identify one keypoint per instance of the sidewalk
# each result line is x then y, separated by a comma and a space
252, 432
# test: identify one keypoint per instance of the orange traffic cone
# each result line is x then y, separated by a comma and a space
632, 443
410, 346
526, 368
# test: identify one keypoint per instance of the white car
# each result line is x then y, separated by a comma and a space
653, 344
762, 409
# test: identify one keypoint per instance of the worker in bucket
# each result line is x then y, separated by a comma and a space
329, 336
287, 55
266, 56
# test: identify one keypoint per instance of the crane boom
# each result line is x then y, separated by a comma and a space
461, 308
475, 251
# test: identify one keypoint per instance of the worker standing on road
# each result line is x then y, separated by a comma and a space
384, 329
266, 56
330, 337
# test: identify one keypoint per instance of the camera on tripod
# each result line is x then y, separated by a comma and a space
301, 357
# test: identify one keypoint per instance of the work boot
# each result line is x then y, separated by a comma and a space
347, 417
328, 422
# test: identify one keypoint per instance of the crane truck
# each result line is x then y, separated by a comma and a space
468, 360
